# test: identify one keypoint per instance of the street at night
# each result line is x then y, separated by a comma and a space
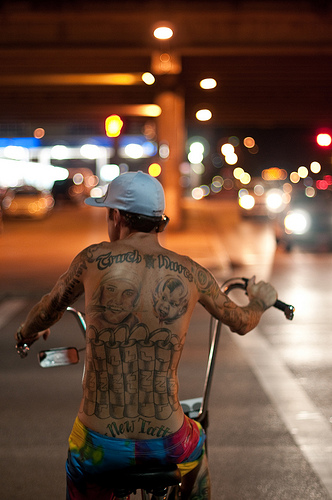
270, 434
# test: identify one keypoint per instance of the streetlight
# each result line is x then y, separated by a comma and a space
163, 32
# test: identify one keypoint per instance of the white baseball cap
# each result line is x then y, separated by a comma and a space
134, 192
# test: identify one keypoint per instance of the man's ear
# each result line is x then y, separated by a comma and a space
116, 217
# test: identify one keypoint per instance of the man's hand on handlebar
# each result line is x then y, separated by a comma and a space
262, 291
23, 343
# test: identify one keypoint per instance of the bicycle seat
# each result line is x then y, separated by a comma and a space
126, 481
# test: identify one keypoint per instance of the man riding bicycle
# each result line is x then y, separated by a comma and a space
139, 298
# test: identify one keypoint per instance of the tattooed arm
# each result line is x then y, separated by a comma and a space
240, 319
52, 306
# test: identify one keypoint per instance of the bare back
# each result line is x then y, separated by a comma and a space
139, 300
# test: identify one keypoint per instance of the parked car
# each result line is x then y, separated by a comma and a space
307, 221
27, 202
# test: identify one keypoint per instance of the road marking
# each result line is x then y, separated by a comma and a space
8, 308
310, 429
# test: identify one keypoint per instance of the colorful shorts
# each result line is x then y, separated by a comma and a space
91, 454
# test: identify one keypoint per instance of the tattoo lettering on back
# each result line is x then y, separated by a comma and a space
108, 259
172, 265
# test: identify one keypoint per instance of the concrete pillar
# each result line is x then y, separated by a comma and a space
171, 131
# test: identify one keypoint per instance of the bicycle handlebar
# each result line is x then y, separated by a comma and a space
242, 283
22, 348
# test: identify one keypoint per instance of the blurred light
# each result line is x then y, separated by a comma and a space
297, 222
149, 131
205, 189
286, 198
152, 110
315, 167
154, 169
113, 126
308, 181
259, 190
247, 202
97, 192
149, 148
198, 168
163, 33
39, 133
197, 147
208, 83
294, 177
218, 178
322, 184
40, 175
274, 200
227, 149
235, 141
203, 115
310, 192
16, 152
199, 143
164, 151
303, 172
184, 181
237, 172
249, 142
274, 173
91, 181
78, 179
90, 151
231, 158
287, 188
217, 183
109, 172
254, 150
148, 78
60, 152
184, 168
197, 193
228, 184
196, 152
324, 139
134, 151
245, 178
195, 157
217, 161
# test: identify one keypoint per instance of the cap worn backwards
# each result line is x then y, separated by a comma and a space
134, 192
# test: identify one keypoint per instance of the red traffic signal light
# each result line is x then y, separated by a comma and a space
113, 126
324, 139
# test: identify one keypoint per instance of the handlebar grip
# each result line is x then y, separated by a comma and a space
287, 309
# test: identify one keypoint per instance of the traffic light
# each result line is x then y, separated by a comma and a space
324, 139
113, 126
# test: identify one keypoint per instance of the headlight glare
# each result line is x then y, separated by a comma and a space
297, 222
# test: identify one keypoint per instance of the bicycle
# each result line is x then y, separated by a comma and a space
157, 483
